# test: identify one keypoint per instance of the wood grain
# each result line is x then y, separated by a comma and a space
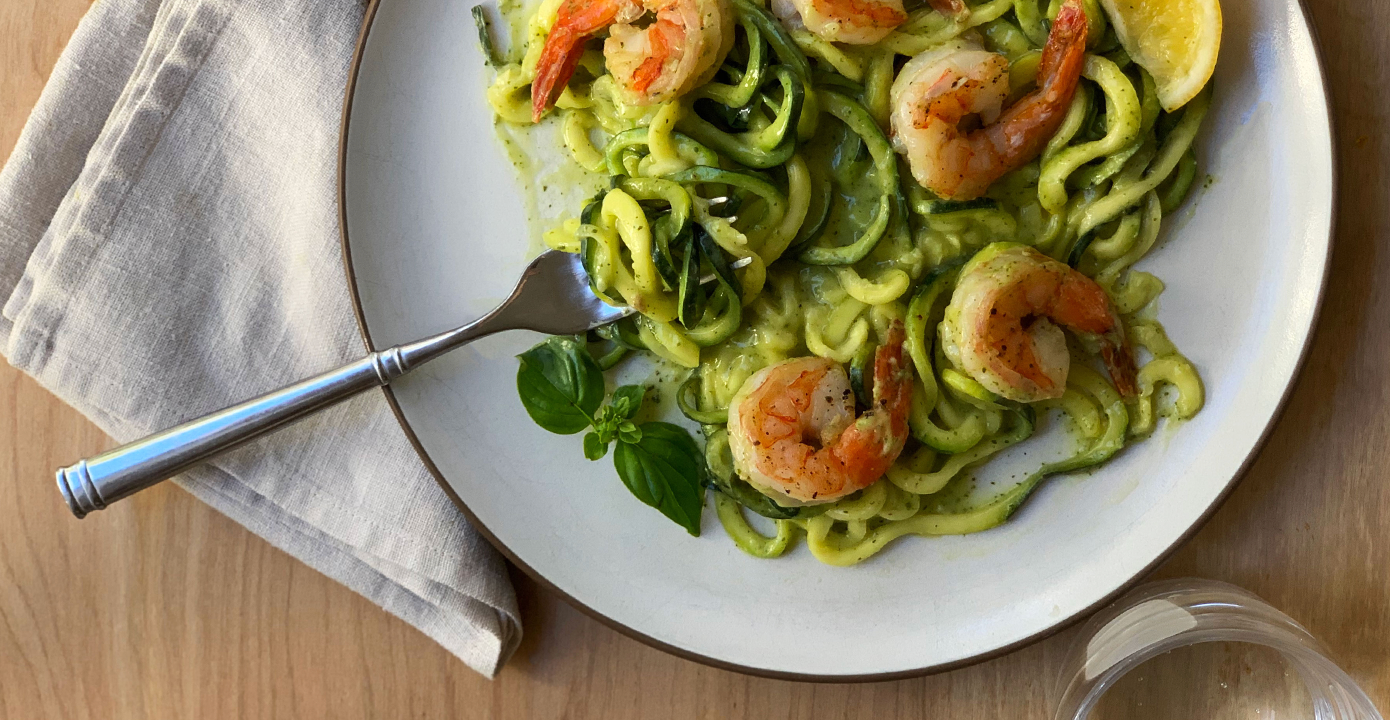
160, 607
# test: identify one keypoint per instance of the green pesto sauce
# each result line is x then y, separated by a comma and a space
552, 186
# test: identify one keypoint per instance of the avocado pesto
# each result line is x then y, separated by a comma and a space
872, 248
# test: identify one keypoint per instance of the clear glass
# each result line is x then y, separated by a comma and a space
1210, 681
1173, 615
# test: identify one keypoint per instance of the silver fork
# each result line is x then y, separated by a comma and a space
553, 297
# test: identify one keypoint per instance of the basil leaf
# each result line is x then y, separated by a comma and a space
629, 433
611, 420
595, 447
627, 400
560, 385
665, 470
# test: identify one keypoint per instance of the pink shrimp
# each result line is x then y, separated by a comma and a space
857, 22
793, 431
940, 88
680, 50
999, 327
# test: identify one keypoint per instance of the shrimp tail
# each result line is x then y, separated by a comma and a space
892, 379
1025, 128
1083, 305
575, 21
557, 63
869, 446
886, 421
1119, 362
1065, 52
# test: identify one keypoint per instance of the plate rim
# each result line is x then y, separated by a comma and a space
349, 95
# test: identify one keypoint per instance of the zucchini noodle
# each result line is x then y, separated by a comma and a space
766, 215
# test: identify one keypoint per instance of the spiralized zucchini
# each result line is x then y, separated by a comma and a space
765, 215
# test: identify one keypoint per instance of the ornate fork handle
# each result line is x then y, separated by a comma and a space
553, 296
93, 484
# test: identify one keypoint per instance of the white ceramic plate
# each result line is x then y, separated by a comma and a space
436, 232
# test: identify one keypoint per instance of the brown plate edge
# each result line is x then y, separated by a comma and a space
370, 16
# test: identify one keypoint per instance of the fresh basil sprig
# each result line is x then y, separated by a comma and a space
614, 421
561, 387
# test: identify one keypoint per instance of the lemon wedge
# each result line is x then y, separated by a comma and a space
1175, 40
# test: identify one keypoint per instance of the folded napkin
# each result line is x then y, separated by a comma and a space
169, 246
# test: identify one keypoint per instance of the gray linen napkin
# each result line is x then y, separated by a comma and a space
169, 245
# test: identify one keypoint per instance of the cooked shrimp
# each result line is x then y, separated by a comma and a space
680, 50
793, 431
938, 90
857, 22
1001, 327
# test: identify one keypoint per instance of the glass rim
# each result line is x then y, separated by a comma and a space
1162, 616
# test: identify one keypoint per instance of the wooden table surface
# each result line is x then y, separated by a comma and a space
160, 607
